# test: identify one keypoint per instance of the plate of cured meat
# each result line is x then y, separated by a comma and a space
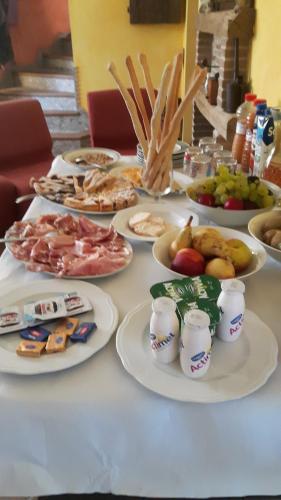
68, 247
94, 192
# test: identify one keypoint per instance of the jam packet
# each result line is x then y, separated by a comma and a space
197, 287
10, 317
205, 305
45, 310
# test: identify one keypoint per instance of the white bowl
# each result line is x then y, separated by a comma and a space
161, 246
255, 227
230, 218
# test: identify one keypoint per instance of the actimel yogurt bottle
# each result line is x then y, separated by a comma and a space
195, 344
232, 305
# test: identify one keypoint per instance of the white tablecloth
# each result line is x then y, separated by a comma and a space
93, 428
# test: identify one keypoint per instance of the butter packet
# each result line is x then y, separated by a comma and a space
205, 305
197, 287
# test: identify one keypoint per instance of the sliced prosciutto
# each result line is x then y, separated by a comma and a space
69, 246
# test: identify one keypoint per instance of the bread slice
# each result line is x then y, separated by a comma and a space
149, 228
138, 218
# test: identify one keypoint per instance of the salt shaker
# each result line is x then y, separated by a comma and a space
164, 330
232, 304
195, 344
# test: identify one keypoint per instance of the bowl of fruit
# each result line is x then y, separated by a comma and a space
232, 199
266, 229
223, 253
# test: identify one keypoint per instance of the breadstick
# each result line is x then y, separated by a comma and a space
157, 114
171, 137
147, 79
129, 101
172, 93
138, 95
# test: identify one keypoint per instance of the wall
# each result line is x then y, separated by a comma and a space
38, 24
101, 32
266, 49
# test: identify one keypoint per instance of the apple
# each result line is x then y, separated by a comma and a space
250, 205
206, 199
220, 268
233, 204
188, 262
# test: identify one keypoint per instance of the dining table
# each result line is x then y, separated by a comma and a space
93, 428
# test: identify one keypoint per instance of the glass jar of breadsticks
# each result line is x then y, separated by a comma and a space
159, 133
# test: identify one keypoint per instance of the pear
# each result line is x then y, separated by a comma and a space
210, 243
183, 239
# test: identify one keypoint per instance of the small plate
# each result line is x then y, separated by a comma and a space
104, 313
70, 156
237, 369
174, 218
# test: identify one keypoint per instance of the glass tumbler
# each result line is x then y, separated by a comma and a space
230, 163
200, 166
191, 151
206, 141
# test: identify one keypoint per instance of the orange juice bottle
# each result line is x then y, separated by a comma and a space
240, 134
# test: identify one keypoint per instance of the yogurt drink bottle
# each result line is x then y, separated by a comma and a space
195, 344
164, 330
232, 304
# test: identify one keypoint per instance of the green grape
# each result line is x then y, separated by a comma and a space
259, 201
253, 196
268, 201
210, 186
222, 170
223, 198
230, 185
191, 193
245, 192
237, 195
252, 187
217, 200
262, 190
221, 189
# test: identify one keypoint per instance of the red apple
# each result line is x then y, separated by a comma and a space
233, 204
250, 205
206, 199
188, 262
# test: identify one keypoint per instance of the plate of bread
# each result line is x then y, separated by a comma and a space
149, 221
94, 192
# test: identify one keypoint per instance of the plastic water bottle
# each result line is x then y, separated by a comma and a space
232, 304
164, 330
195, 344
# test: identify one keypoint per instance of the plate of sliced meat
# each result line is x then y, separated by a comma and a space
68, 247
94, 192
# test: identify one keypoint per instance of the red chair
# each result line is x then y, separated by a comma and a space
110, 123
25, 145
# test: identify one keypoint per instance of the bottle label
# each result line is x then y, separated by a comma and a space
249, 135
236, 323
240, 128
159, 342
199, 360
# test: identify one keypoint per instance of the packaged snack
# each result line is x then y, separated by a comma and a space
73, 301
83, 332
10, 316
56, 342
204, 305
198, 287
36, 333
30, 348
66, 325
47, 309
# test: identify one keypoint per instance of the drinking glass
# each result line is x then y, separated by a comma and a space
200, 166
206, 141
162, 184
230, 163
191, 151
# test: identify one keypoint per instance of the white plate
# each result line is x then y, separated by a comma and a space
70, 156
83, 277
237, 369
178, 177
174, 218
80, 211
105, 315
161, 245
